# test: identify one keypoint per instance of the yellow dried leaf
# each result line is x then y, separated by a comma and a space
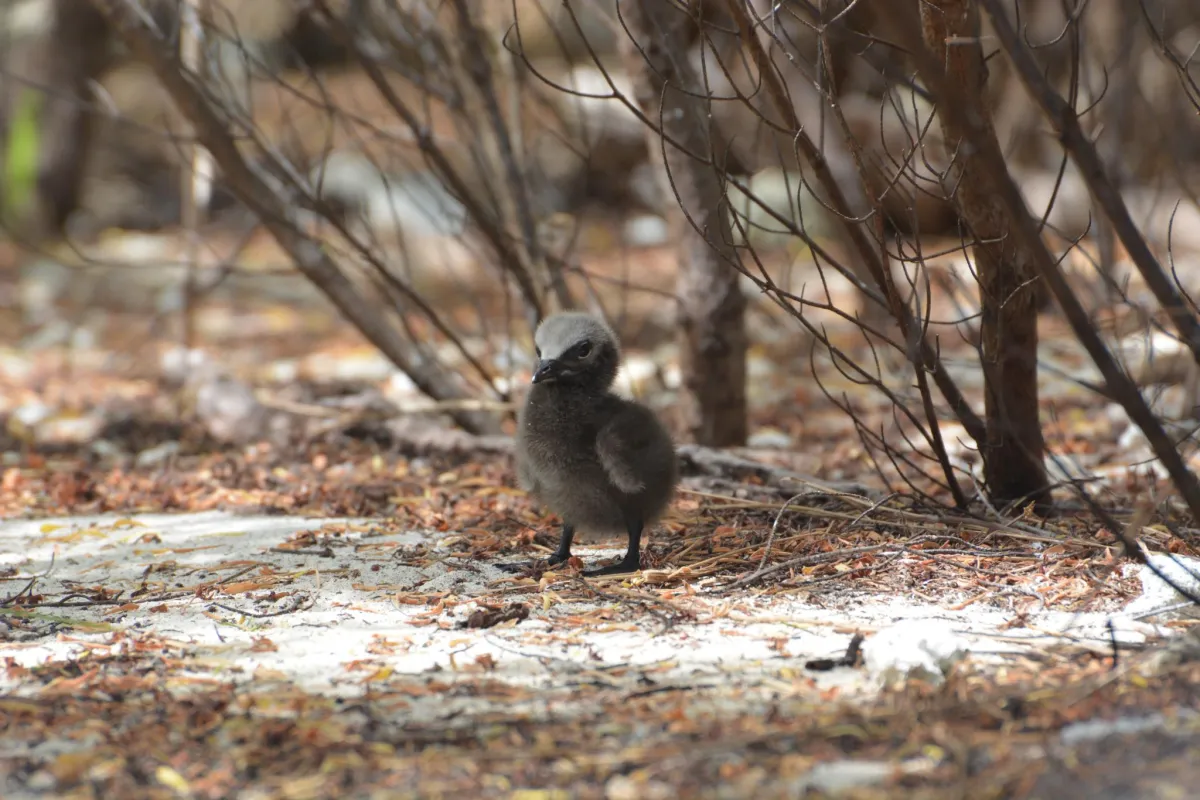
15, 706
267, 674
172, 780
479, 481
381, 674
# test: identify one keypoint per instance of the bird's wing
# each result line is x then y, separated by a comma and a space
525, 478
623, 444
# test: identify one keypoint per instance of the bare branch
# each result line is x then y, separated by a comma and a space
954, 106
1062, 116
278, 216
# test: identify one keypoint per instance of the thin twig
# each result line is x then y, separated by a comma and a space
29, 586
263, 614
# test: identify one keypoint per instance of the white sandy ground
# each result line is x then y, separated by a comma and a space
348, 630
346, 602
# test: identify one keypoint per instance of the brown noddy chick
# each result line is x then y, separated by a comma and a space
602, 463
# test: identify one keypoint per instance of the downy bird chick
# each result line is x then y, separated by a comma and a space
602, 463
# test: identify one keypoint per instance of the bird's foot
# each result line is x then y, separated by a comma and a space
554, 560
632, 562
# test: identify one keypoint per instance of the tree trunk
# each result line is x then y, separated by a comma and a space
711, 312
1013, 452
72, 52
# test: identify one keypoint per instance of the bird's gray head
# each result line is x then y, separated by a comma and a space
576, 349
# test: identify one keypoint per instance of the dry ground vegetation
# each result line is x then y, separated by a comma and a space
303, 420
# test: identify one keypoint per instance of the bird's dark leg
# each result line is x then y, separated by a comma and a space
557, 557
632, 561
564, 547
563, 553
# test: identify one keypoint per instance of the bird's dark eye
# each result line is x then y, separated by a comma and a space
537, 351
584, 350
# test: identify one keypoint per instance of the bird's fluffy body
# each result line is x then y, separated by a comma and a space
601, 462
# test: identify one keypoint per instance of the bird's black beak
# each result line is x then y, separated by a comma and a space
547, 370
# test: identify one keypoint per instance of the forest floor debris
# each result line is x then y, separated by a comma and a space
348, 642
